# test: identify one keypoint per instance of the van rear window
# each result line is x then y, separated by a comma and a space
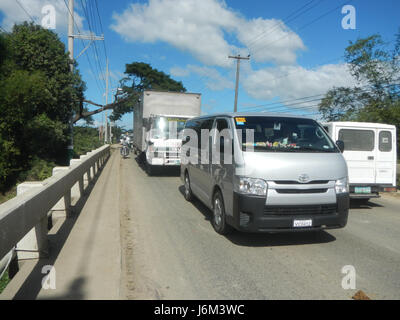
357, 140
385, 141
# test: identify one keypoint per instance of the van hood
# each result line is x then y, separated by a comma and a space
289, 166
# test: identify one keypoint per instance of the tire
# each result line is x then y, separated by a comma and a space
188, 191
149, 169
219, 219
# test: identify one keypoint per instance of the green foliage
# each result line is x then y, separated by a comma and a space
40, 170
38, 96
4, 281
141, 76
377, 96
85, 139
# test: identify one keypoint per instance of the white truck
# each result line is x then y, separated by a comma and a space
370, 153
157, 126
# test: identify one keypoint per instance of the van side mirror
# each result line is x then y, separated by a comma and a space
340, 145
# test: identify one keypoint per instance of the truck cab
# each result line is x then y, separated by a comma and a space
164, 140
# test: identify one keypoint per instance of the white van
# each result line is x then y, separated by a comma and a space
370, 153
262, 172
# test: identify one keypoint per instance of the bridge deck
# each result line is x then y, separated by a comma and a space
84, 249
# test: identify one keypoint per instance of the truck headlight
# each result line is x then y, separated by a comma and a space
342, 186
252, 186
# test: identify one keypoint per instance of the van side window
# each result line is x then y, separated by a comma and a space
205, 125
357, 140
385, 141
222, 124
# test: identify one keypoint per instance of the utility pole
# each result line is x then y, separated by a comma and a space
70, 148
106, 124
238, 58
71, 37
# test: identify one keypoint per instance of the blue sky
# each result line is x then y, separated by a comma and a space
295, 46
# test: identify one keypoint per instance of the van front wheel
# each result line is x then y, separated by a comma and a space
218, 220
188, 191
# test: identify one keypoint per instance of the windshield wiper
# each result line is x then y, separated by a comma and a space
314, 149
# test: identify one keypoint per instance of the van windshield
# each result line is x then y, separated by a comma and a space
281, 134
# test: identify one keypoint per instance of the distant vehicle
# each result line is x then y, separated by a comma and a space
290, 176
370, 152
157, 125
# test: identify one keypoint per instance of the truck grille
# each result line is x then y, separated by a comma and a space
300, 210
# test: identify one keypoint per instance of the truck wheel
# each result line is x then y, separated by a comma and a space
218, 220
188, 192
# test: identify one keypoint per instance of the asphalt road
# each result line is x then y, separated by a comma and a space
170, 250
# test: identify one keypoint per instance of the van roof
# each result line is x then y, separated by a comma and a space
251, 114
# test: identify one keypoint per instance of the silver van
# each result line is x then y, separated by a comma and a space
261, 172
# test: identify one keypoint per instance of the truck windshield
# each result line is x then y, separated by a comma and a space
281, 134
168, 127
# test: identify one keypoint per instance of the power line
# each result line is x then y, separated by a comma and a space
305, 25
288, 19
86, 54
22, 7
94, 48
273, 106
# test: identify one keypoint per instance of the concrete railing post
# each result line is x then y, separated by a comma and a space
35, 244
62, 209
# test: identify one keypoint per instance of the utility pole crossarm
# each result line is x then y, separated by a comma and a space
238, 58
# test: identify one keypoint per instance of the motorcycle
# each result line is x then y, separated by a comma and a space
124, 151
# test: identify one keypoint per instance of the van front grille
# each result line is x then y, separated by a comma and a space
296, 182
300, 210
294, 191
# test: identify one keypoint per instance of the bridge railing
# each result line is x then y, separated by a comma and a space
24, 219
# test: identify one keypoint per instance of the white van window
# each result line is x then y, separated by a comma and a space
357, 140
385, 141
197, 125
284, 134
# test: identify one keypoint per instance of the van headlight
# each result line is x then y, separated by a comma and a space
342, 186
253, 186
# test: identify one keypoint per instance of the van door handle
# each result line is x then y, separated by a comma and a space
371, 158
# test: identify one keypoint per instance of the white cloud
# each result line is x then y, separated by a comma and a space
13, 13
213, 78
292, 82
179, 72
199, 27
270, 40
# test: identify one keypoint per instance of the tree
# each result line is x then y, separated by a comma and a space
38, 95
376, 97
140, 76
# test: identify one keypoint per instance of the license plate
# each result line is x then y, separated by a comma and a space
302, 223
362, 189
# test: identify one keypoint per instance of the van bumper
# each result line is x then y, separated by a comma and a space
250, 214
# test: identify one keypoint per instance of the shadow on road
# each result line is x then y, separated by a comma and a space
158, 171
266, 239
363, 204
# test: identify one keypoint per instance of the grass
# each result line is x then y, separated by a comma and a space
8, 195
4, 281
